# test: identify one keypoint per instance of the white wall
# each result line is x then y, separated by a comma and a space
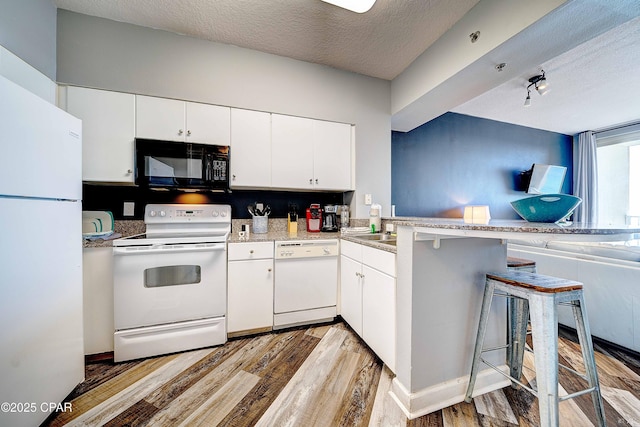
28, 29
23, 74
100, 53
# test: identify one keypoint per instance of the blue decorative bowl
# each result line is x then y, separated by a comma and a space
546, 207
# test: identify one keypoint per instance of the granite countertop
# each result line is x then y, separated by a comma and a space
454, 226
277, 231
522, 228
274, 235
371, 243
121, 228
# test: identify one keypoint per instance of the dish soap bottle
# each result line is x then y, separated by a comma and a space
374, 218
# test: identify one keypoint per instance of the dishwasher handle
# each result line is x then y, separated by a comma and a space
168, 249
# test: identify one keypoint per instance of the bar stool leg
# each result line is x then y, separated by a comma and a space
482, 328
518, 322
584, 336
544, 320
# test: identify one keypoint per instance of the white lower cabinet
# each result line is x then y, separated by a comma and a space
250, 288
351, 292
97, 299
368, 297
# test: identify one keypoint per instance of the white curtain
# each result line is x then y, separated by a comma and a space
585, 176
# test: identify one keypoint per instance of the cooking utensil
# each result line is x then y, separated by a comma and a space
259, 209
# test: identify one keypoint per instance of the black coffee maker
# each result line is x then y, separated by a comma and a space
330, 219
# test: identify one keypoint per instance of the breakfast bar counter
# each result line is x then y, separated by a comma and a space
441, 267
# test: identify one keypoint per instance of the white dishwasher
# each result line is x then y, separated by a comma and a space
305, 282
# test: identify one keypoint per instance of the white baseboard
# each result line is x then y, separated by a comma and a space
445, 394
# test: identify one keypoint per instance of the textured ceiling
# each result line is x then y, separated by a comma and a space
592, 86
380, 43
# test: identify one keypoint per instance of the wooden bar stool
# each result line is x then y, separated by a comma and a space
536, 296
521, 264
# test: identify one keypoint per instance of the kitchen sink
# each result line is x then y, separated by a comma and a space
387, 239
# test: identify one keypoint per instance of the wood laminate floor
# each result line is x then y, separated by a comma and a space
318, 376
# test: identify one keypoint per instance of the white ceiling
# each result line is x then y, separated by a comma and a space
592, 86
595, 85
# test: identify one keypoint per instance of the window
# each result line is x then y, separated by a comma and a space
619, 175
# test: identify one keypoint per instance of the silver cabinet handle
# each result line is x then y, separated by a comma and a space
188, 133
310, 180
251, 251
316, 180
269, 270
233, 177
129, 171
180, 131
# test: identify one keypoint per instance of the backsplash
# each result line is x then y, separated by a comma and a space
112, 198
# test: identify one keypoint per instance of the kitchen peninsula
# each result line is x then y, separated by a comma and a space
441, 266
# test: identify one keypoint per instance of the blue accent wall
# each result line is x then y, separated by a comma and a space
457, 160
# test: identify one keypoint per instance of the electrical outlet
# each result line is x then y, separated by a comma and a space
368, 199
128, 209
388, 228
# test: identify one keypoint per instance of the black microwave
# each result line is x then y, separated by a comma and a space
181, 165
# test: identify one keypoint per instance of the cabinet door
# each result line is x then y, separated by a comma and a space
208, 124
351, 293
379, 314
250, 148
292, 152
108, 133
332, 156
250, 295
160, 118
97, 297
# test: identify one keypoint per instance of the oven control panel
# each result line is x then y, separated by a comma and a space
177, 213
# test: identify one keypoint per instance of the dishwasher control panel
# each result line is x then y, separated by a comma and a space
306, 249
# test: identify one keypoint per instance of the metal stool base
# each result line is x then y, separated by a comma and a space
531, 299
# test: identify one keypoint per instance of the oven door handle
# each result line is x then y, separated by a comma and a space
143, 250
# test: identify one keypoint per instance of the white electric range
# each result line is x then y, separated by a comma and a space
170, 284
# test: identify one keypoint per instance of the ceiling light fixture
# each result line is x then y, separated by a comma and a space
358, 6
539, 82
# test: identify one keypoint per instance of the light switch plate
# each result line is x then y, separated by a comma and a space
128, 209
368, 199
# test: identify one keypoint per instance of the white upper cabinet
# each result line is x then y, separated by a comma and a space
208, 124
292, 152
174, 120
250, 149
332, 156
310, 154
108, 128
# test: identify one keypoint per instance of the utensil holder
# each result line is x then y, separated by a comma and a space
260, 224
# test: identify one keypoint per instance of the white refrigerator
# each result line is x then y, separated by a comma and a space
41, 344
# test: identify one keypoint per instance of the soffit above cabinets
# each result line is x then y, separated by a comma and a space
379, 43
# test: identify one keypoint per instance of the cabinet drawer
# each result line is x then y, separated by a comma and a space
250, 250
350, 249
380, 260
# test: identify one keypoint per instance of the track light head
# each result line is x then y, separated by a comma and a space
539, 82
